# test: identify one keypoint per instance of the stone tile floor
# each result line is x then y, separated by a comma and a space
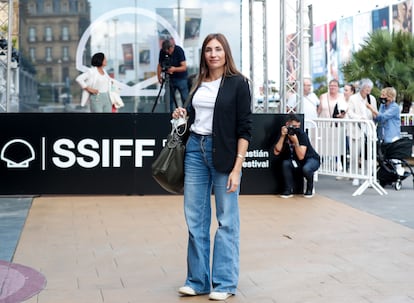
331, 248
132, 249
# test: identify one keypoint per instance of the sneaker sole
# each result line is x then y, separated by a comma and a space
219, 296
187, 291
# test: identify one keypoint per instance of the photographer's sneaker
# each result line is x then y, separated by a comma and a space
308, 193
286, 195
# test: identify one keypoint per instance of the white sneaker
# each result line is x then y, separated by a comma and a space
355, 182
219, 296
187, 290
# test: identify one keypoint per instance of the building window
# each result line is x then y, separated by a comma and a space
48, 34
32, 8
65, 7
49, 73
32, 34
48, 57
65, 33
48, 8
65, 53
32, 52
65, 74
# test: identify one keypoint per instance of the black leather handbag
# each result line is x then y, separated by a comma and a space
168, 168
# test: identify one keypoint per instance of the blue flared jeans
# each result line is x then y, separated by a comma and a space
200, 179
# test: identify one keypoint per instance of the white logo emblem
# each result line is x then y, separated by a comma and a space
17, 153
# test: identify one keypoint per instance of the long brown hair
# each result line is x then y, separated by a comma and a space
229, 66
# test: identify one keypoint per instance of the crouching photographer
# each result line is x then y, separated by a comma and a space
295, 151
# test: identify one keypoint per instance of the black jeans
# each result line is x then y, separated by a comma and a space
289, 172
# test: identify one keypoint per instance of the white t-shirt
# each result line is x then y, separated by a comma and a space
310, 104
203, 102
102, 83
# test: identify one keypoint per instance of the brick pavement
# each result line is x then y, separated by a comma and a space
132, 249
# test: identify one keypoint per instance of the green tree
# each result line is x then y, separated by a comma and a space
319, 84
388, 60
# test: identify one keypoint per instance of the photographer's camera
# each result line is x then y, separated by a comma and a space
291, 130
166, 63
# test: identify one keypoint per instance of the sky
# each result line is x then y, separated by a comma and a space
339, 9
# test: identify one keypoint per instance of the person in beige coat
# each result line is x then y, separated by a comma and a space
357, 109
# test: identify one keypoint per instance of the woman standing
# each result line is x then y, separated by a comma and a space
340, 112
96, 85
219, 119
388, 116
326, 108
329, 100
341, 106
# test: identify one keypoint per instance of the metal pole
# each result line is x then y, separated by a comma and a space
179, 18
299, 79
136, 57
116, 62
9, 77
251, 43
282, 56
306, 41
265, 71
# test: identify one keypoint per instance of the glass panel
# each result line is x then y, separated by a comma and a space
128, 32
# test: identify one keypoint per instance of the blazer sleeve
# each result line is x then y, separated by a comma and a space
244, 128
84, 79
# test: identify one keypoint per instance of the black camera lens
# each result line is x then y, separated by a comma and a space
291, 130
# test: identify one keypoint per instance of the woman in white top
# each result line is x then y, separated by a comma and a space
342, 106
329, 100
96, 85
219, 119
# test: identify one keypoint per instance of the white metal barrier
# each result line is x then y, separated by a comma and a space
348, 148
408, 120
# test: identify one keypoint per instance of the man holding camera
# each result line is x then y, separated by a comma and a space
295, 151
172, 64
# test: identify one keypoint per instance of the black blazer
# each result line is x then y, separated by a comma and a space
231, 120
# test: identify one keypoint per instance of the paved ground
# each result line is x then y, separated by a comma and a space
397, 206
332, 248
13, 212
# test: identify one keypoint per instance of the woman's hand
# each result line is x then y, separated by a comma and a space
341, 115
91, 90
233, 181
179, 112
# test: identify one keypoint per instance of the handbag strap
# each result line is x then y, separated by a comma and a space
178, 126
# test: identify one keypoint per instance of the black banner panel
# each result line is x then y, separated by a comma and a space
85, 153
